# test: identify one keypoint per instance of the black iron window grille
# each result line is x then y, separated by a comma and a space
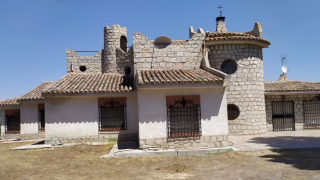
311, 113
12, 125
112, 116
283, 118
41, 120
184, 119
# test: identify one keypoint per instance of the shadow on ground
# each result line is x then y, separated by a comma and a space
301, 152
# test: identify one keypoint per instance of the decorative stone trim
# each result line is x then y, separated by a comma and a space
39, 135
203, 141
101, 138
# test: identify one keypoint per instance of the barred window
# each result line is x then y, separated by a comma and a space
184, 118
112, 114
229, 66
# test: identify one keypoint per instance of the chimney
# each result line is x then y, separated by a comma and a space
283, 78
221, 25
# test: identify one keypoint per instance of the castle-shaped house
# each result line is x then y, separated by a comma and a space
163, 93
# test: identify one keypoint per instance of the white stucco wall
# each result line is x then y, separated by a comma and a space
71, 116
153, 110
78, 116
29, 118
132, 115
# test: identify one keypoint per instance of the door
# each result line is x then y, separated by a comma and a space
311, 112
283, 116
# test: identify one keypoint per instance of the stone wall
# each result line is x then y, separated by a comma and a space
112, 37
39, 135
203, 141
124, 60
298, 108
245, 87
92, 63
101, 138
186, 55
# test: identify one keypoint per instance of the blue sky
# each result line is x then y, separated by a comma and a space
34, 34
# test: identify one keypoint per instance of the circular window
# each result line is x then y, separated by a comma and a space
229, 66
83, 68
233, 111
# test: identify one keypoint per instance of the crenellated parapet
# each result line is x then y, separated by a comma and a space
181, 54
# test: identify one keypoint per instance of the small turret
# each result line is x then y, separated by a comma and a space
114, 37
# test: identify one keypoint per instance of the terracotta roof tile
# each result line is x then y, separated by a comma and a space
36, 93
232, 35
9, 102
91, 83
176, 76
276, 86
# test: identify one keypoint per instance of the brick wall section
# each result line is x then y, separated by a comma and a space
245, 87
298, 108
203, 141
112, 37
92, 63
182, 56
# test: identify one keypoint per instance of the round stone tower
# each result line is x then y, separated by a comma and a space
240, 56
114, 37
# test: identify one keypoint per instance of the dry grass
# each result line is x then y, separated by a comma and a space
83, 162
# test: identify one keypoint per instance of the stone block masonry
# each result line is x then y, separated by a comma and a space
245, 87
92, 63
39, 135
203, 141
186, 55
112, 38
101, 138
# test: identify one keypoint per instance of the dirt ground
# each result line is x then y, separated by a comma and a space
84, 162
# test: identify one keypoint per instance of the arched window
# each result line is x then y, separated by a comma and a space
123, 43
229, 66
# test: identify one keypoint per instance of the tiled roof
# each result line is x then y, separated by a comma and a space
9, 102
176, 76
36, 93
232, 35
91, 83
276, 86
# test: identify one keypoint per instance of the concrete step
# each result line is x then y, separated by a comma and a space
128, 144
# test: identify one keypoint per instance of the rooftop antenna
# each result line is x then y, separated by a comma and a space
220, 10
284, 68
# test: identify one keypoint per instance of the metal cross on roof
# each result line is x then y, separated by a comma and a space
220, 10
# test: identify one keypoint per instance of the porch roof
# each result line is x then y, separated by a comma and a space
175, 76
91, 83
36, 93
291, 86
9, 102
